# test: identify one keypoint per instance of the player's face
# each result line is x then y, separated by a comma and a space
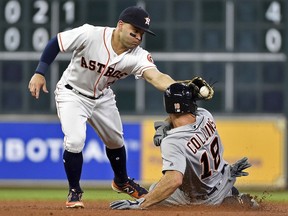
130, 36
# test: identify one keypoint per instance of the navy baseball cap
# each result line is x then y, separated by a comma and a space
137, 17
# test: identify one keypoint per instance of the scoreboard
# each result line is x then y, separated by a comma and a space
28, 25
240, 44
25, 28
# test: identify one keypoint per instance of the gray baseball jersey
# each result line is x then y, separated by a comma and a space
196, 151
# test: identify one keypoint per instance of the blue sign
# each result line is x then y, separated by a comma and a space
33, 151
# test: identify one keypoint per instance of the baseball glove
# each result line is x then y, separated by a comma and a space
201, 90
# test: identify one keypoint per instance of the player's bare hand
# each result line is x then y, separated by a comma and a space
37, 83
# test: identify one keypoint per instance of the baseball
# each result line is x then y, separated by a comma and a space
204, 91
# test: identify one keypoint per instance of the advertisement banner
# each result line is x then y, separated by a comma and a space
263, 142
152, 161
33, 151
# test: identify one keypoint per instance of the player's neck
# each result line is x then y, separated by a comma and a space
179, 120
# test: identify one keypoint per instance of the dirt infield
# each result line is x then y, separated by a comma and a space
49, 208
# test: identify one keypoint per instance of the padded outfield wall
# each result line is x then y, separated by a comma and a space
262, 140
31, 151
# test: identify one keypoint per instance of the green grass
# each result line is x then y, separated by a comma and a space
273, 196
106, 194
57, 194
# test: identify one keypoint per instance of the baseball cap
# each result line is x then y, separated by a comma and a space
137, 17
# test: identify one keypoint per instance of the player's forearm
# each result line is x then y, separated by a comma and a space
162, 82
164, 188
49, 54
159, 80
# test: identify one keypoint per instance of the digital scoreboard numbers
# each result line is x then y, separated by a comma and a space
260, 74
28, 25
242, 44
259, 23
273, 37
25, 29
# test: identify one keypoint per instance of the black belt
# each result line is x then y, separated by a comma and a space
90, 97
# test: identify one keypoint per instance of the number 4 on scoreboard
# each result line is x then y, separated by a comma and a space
273, 12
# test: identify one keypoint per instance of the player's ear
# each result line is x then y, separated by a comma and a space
120, 24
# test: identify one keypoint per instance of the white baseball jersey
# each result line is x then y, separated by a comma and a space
94, 64
196, 151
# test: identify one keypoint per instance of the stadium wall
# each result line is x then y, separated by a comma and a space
31, 151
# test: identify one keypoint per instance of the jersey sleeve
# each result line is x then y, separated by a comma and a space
144, 62
173, 155
73, 39
204, 112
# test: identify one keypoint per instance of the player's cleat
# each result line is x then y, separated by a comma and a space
74, 199
241, 200
247, 201
130, 187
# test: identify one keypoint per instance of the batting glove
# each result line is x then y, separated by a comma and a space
161, 128
127, 204
238, 167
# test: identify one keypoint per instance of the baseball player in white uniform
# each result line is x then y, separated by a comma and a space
101, 56
194, 171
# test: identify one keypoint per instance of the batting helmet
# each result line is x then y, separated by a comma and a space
178, 98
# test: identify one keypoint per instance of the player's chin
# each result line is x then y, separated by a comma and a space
134, 44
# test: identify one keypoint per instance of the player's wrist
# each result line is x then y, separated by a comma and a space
42, 68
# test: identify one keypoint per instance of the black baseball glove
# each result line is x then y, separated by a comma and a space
201, 90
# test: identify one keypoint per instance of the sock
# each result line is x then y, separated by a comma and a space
73, 167
117, 158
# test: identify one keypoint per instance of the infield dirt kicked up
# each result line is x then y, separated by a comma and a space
55, 208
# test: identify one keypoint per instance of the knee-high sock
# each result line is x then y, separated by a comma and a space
73, 167
117, 158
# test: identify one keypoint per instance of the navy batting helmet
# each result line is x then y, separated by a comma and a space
178, 98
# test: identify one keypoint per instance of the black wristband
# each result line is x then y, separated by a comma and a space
42, 68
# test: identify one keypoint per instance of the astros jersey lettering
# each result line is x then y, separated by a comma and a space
94, 64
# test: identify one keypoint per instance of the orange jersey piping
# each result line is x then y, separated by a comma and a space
106, 63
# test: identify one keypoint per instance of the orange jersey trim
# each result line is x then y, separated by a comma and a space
104, 33
61, 44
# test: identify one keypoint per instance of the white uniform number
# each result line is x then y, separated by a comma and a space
12, 12
273, 38
40, 36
